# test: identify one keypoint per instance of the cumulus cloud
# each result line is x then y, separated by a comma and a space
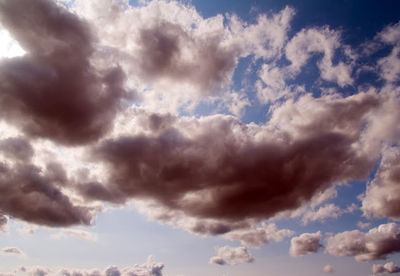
12, 251
227, 255
211, 175
305, 244
45, 94
388, 268
376, 244
38, 197
80, 234
176, 58
255, 171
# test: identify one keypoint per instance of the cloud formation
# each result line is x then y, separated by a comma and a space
376, 244
211, 175
305, 244
227, 255
43, 93
38, 197
253, 172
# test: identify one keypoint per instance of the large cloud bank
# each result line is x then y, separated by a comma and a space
94, 112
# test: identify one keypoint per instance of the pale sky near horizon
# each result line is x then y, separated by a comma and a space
192, 138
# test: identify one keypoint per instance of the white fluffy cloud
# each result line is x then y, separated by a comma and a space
227, 255
305, 244
376, 244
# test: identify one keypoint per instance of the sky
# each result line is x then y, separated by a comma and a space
191, 138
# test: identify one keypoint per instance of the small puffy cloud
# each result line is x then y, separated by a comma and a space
376, 244
80, 234
305, 244
257, 236
388, 268
232, 256
149, 268
12, 251
328, 269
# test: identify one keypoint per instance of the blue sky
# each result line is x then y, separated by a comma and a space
149, 138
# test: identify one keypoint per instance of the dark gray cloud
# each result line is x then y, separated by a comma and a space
376, 244
217, 167
164, 48
18, 148
33, 194
53, 91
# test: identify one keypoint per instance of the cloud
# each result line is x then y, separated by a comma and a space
376, 244
328, 269
387, 268
381, 198
12, 251
80, 234
305, 244
174, 57
232, 256
257, 236
210, 175
324, 212
47, 95
38, 198
255, 171
322, 40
